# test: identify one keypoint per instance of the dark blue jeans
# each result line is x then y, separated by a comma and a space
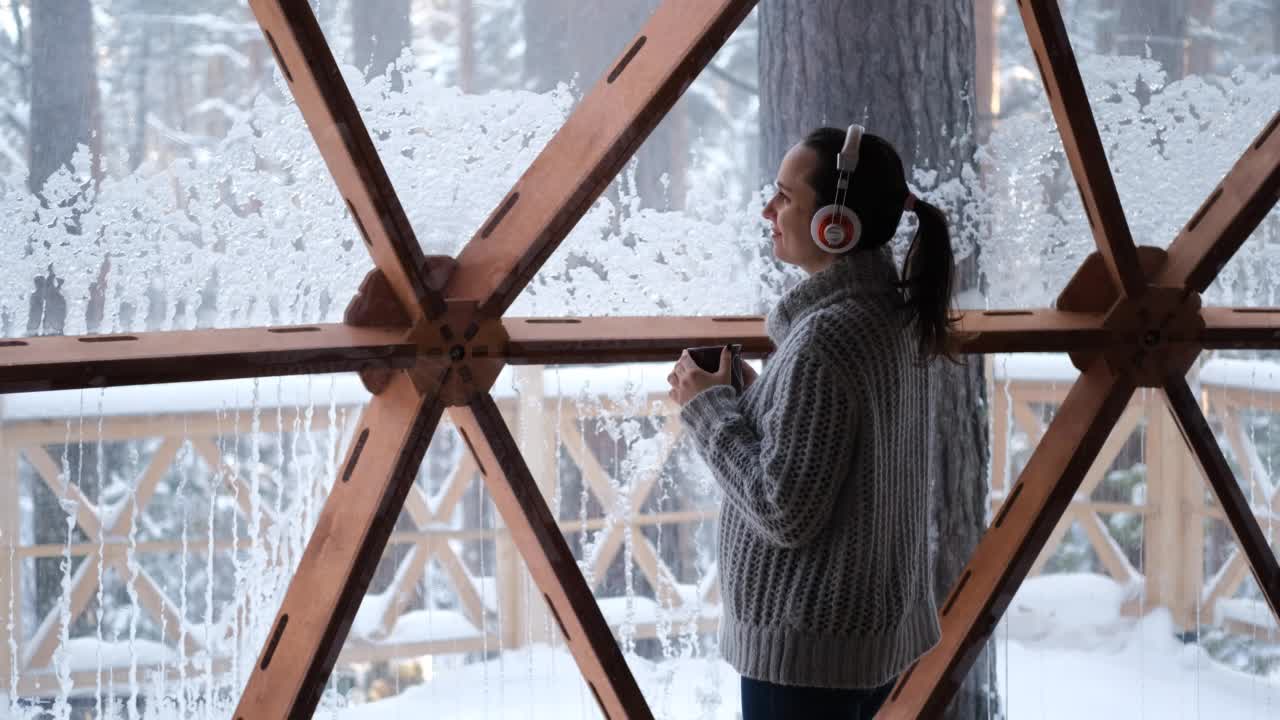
765, 701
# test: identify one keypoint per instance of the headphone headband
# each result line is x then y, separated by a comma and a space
847, 159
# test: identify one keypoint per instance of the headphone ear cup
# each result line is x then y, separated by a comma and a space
835, 229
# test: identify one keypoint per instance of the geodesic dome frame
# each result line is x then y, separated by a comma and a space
428, 336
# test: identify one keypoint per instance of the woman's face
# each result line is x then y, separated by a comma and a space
791, 209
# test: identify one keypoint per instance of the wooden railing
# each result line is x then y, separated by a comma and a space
1023, 393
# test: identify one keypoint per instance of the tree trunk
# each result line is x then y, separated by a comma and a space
546, 54
1161, 26
64, 87
378, 35
466, 46
1201, 49
563, 38
64, 115
905, 69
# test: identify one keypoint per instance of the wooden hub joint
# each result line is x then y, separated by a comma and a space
459, 354
1157, 335
1153, 335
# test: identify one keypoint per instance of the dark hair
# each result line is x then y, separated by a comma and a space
877, 193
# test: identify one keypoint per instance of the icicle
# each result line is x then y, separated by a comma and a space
254, 594
11, 622
100, 471
131, 584
186, 467
206, 659
61, 659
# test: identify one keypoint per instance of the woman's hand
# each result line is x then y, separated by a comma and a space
687, 379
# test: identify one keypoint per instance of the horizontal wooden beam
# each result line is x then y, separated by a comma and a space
67, 362
580, 161
1032, 330
1240, 328
552, 341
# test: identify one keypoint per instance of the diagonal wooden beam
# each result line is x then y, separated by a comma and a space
151, 597
1195, 429
655, 571
66, 362
1228, 216
1035, 505
408, 573
468, 595
49, 634
138, 500
343, 552
1115, 442
578, 163
1082, 143
550, 562
47, 469
458, 483
1246, 454
303, 55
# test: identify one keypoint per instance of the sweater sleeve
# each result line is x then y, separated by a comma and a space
783, 477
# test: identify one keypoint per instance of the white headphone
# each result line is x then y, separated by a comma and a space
836, 228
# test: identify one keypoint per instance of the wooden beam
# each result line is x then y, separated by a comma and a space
1246, 453
468, 596
1081, 509
1199, 437
408, 575
1082, 143
581, 160
49, 634
46, 468
1031, 330
1036, 503
552, 341
1228, 216
1001, 419
550, 562
343, 552
1239, 328
84, 361
331, 114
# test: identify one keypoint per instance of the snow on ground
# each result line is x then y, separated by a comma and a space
1065, 652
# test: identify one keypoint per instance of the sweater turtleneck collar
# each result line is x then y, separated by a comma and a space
852, 275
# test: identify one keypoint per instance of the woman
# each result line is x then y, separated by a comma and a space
824, 564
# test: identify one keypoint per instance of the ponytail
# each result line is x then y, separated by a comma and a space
928, 274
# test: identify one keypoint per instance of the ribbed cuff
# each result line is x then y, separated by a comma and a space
785, 656
709, 407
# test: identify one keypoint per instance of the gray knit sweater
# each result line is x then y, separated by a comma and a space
823, 555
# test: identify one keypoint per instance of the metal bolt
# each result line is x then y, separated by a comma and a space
1151, 337
456, 353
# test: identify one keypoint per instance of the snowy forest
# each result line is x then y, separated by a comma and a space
156, 174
